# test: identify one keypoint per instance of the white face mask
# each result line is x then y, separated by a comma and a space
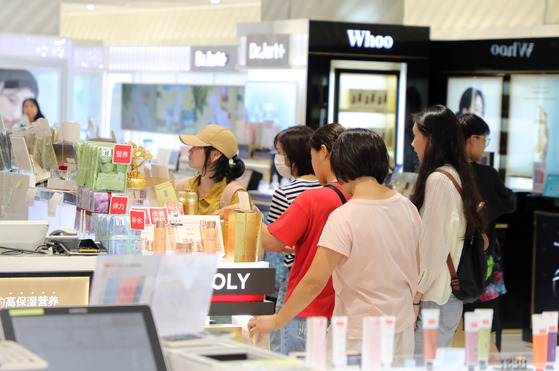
281, 167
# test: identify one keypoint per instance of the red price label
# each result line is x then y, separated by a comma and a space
122, 154
137, 220
147, 221
174, 207
158, 213
119, 205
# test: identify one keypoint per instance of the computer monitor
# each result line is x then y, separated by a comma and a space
22, 235
93, 338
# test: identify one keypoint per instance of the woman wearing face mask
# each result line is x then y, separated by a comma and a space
293, 160
300, 226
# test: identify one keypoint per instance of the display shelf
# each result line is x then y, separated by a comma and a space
240, 281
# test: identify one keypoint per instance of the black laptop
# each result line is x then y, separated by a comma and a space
87, 338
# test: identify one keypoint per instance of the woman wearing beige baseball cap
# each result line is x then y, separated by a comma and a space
213, 148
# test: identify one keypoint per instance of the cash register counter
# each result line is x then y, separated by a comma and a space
239, 288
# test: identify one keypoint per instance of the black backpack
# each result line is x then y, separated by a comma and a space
469, 280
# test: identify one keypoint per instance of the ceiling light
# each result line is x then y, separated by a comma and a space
90, 6
215, 1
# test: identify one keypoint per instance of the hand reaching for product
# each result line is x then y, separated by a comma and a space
258, 327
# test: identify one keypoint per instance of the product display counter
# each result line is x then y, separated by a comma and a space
232, 355
239, 288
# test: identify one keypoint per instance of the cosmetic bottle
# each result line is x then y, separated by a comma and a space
484, 336
550, 319
211, 237
339, 328
183, 248
471, 329
387, 328
170, 245
159, 237
539, 342
182, 199
430, 319
316, 342
370, 353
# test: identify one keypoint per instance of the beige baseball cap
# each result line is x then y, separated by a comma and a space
216, 136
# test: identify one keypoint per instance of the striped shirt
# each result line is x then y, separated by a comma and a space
282, 198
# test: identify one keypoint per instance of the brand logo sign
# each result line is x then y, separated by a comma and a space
267, 51
209, 59
215, 58
365, 39
516, 50
235, 281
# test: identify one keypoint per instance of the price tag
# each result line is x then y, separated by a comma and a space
174, 207
144, 210
119, 205
158, 213
137, 220
175, 218
122, 154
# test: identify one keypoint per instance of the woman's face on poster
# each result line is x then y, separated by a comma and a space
477, 106
11, 102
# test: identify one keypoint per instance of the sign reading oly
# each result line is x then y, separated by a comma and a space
229, 281
267, 51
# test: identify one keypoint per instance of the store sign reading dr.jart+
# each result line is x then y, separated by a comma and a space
209, 59
214, 58
365, 39
267, 51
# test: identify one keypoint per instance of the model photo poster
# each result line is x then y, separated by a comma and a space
481, 96
533, 139
17, 85
181, 109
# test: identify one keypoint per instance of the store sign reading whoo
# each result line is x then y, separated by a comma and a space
365, 39
514, 50
267, 51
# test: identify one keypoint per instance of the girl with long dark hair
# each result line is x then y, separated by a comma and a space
447, 218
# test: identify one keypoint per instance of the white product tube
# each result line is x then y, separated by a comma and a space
339, 336
387, 327
370, 353
316, 342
